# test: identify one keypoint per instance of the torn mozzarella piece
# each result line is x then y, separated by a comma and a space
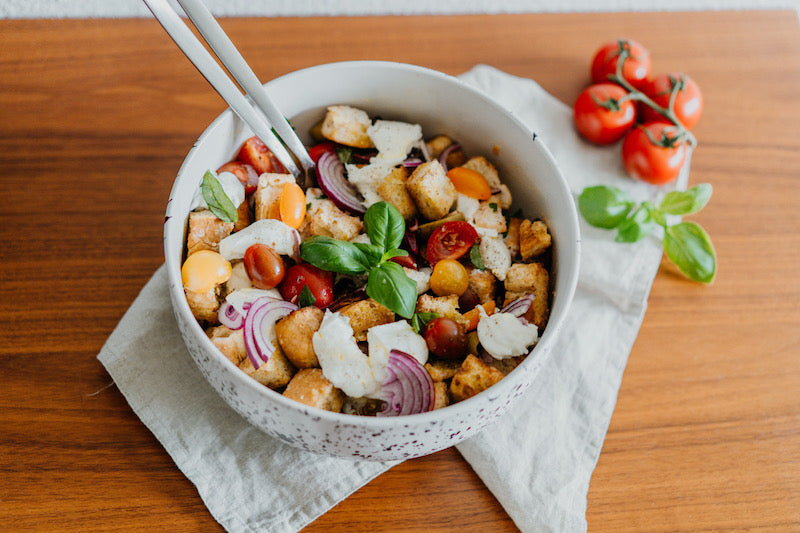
393, 336
367, 178
422, 277
467, 206
234, 190
274, 233
393, 140
504, 336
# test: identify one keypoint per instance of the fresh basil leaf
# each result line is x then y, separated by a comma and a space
306, 298
389, 285
419, 320
688, 246
218, 202
344, 153
394, 252
604, 207
373, 253
686, 202
637, 226
334, 255
476, 258
385, 225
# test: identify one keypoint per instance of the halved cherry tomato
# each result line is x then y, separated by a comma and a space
470, 183
653, 152
446, 338
602, 115
449, 277
318, 281
292, 205
264, 266
474, 315
246, 174
317, 150
203, 270
688, 104
635, 69
255, 153
405, 261
451, 240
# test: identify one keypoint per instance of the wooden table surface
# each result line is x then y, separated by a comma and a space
95, 117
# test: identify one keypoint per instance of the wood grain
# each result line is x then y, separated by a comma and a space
96, 116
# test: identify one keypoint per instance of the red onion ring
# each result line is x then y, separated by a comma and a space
229, 316
446, 152
259, 327
332, 181
408, 388
519, 307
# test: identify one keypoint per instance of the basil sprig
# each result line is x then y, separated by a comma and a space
218, 202
387, 282
686, 243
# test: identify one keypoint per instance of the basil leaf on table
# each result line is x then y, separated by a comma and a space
218, 202
389, 285
605, 207
689, 247
334, 255
686, 202
637, 226
385, 225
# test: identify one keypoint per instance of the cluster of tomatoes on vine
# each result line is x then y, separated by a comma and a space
654, 115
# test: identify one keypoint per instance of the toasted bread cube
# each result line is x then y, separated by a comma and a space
527, 278
446, 306
508, 364
533, 239
442, 369
482, 166
473, 377
268, 194
512, 236
294, 332
364, 314
432, 190
244, 216
205, 231
393, 190
437, 145
204, 305
483, 283
441, 396
347, 125
490, 216
230, 342
275, 373
310, 387
324, 218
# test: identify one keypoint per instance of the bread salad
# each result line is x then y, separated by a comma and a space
396, 284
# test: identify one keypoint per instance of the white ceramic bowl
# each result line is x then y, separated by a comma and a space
441, 104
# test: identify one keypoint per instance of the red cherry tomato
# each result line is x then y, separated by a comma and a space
451, 240
317, 150
405, 261
656, 162
318, 281
688, 104
601, 115
255, 153
246, 174
635, 69
264, 266
446, 338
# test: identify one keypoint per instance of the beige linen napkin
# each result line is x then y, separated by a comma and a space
537, 459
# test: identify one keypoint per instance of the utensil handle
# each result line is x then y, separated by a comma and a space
219, 80
232, 59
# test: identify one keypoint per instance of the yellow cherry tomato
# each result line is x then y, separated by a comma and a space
470, 183
203, 270
449, 277
292, 205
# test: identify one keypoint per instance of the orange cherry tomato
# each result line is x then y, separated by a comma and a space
292, 205
449, 277
470, 183
474, 315
203, 270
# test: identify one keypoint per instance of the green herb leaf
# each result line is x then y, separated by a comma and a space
344, 153
373, 253
389, 285
688, 246
218, 202
334, 255
637, 226
686, 202
419, 320
306, 298
385, 225
394, 252
494, 207
476, 258
604, 207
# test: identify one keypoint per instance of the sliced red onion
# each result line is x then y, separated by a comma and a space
519, 306
259, 328
332, 181
412, 162
423, 147
408, 388
496, 190
252, 175
446, 152
229, 316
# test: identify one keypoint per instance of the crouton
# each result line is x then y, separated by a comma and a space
501, 194
446, 306
495, 255
508, 364
275, 373
244, 216
529, 278
393, 190
324, 218
310, 387
437, 145
483, 284
512, 236
294, 333
441, 396
268, 195
489, 215
204, 305
205, 231
473, 377
442, 369
230, 342
432, 190
364, 314
347, 125
533, 239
